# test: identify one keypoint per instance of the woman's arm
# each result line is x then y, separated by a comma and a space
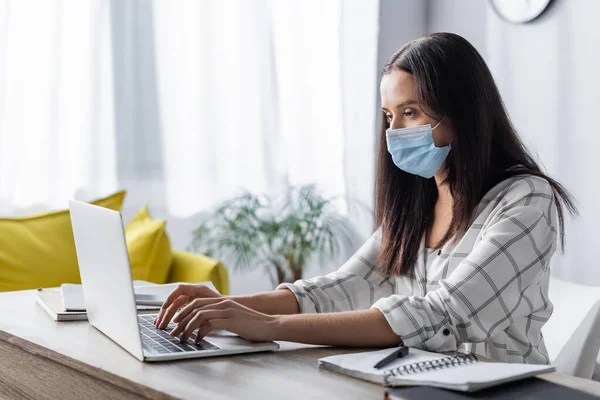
364, 328
275, 302
355, 286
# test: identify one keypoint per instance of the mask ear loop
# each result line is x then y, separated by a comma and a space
438, 124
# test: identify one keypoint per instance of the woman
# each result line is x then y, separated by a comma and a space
467, 225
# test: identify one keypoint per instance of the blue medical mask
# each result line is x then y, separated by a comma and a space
414, 151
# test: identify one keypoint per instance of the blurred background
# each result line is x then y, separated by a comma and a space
185, 104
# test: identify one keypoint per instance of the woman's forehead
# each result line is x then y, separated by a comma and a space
396, 87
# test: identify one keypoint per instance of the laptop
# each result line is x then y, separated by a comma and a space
109, 297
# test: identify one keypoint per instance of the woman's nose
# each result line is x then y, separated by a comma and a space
395, 125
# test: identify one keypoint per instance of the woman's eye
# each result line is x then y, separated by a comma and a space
409, 114
388, 117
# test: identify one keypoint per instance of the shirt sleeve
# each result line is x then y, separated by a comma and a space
355, 286
484, 294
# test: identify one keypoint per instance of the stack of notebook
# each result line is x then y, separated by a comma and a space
51, 301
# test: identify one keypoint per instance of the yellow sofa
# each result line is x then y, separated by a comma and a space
39, 251
185, 267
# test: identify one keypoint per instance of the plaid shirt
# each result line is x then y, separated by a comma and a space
486, 294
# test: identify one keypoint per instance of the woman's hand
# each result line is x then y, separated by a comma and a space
209, 314
182, 294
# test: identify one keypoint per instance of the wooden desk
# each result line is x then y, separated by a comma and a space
40, 358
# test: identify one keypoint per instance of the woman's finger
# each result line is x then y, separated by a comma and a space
201, 318
212, 325
163, 310
199, 303
183, 289
183, 322
168, 314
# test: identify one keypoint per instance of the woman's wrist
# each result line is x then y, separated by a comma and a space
249, 301
276, 327
273, 303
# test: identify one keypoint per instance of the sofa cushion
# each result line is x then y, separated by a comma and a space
149, 248
39, 250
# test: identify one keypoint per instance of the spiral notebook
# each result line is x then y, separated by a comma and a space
422, 368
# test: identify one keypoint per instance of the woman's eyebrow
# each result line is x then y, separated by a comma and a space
403, 104
406, 103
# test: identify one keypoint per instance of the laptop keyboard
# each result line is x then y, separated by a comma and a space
159, 341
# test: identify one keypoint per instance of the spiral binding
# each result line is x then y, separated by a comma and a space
432, 365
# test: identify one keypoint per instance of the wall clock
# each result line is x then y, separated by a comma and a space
520, 11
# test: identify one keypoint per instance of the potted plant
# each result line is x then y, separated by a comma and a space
253, 231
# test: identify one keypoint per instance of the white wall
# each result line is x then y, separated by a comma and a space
464, 17
547, 72
399, 23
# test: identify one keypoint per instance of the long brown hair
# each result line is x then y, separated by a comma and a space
452, 80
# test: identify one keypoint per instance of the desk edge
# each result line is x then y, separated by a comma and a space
37, 350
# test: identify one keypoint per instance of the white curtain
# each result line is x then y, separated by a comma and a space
196, 99
263, 94
56, 102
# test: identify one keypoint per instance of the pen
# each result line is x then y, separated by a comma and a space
399, 353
